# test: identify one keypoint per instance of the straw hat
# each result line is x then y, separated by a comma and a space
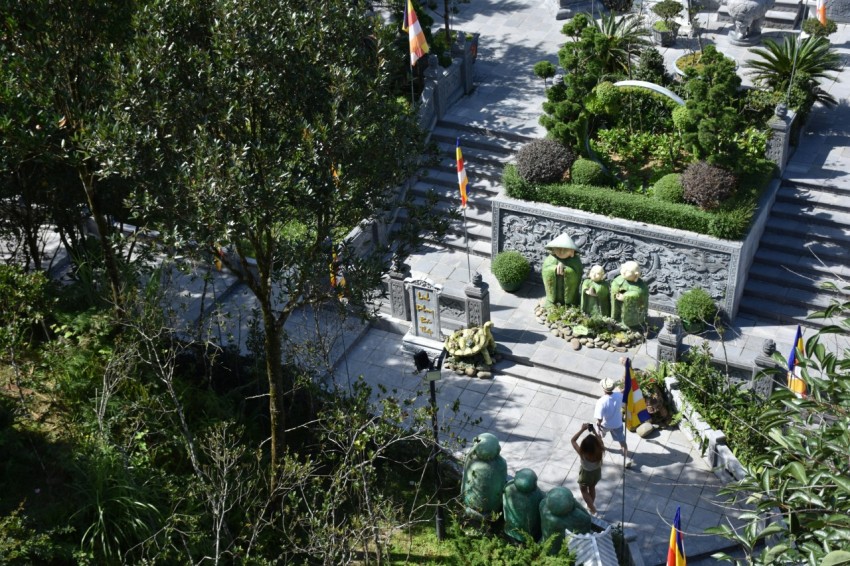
607, 384
563, 242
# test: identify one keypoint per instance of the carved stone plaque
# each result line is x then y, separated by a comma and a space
425, 309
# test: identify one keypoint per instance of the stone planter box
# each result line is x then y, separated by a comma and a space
672, 261
712, 443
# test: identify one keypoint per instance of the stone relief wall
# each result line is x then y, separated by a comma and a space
671, 261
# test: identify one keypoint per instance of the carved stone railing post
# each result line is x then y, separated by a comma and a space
780, 135
669, 340
399, 303
477, 302
763, 378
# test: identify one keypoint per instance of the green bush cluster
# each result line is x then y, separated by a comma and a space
696, 305
516, 186
706, 185
587, 172
669, 188
510, 266
544, 161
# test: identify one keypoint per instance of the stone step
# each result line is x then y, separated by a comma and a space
788, 297
442, 179
772, 311
473, 156
464, 127
559, 378
447, 134
480, 214
804, 263
801, 229
781, 16
764, 271
809, 214
807, 199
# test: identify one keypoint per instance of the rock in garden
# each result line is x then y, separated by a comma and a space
484, 375
575, 343
583, 340
568, 331
556, 331
459, 371
590, 344
470, 372
610, 348
621, 349
644, 429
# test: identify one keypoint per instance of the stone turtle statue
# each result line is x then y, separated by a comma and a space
521, 503
484, 476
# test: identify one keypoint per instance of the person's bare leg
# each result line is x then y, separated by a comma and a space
588, 498
591, 489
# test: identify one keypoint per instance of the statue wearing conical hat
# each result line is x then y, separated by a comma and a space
562, 272
595, 292
629, 296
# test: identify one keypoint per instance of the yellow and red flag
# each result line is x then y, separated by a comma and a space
636, 412
676, 550
418, 45
796, 384
462, 180
820, 10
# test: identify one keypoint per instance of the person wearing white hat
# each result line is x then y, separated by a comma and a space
609, 415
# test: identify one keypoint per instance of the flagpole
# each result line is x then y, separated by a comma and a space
466, 238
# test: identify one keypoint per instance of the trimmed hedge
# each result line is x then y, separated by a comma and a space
730, 224
587, 172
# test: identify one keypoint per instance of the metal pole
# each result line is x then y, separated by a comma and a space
466, 239
623, 513
438, 517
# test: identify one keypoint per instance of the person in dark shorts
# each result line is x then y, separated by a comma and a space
590, 453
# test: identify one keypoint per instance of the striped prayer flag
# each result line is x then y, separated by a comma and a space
418, 45
462, 181
676, 550
796, 384
820, 10
636, 412
337, 278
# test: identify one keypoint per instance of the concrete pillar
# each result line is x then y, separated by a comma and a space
399, 303
763, 377
669, 340
780, 136
477, 302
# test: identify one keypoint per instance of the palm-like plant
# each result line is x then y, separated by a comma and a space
809, 60
625, 37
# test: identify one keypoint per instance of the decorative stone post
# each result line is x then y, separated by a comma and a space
780, 135
477, 302
399, 303
669, 340
763, 377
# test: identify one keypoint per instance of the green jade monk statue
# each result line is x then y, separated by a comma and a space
562, 272
521, 502
484, 476
629, 296
595, 293
558, 512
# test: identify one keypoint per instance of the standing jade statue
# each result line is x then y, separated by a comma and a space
484, 477
595, 293
521, 502
629, 296
562, 272
559, 512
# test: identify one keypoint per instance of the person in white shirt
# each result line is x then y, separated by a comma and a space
609, 415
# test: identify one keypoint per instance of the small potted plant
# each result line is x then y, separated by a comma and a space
664, 30
511, 270
696, 308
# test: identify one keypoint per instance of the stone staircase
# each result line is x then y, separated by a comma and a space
806, 243
485, 154
785, 14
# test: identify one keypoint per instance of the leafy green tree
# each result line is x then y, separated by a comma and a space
711, 116
57, 91
809, 62
798, 486
283, 133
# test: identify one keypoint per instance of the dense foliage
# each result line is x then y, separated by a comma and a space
706, 185
669, 188
587, 172
510, 266
544, 161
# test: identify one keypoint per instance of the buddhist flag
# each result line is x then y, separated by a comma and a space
636, 412
337, 278
462, 181
676, 550
418, 45
820, 10
796, 384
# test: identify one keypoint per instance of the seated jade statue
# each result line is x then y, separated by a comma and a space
629, 296
521, 502
484, 476
595, 293
562, 271
559, 511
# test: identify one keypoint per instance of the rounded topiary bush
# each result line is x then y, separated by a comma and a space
707, 185
587, 172
543, 161
511, 269
696, 308
669, 188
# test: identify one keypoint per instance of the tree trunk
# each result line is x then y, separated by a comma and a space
274, 373
109, 259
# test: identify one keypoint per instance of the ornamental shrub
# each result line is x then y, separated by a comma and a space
516, 186
543, 161
510, 266
669, 188
696, 305
587, 172
707, 185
